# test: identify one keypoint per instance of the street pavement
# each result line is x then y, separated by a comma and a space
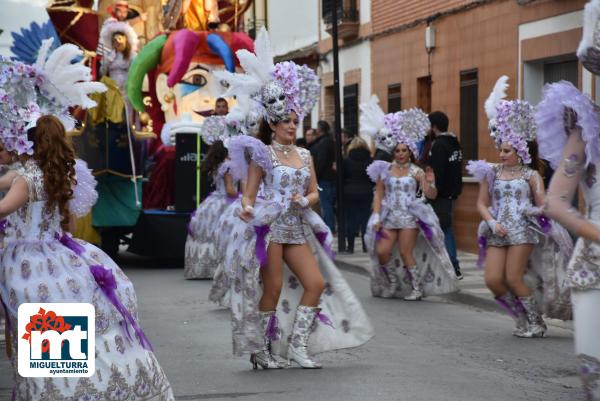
435, 350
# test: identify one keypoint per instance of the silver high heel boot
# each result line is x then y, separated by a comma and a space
515, 309
264, 358
536, 327
297, 349
417, 291
391, 275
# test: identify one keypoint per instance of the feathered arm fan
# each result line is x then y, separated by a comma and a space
372, 118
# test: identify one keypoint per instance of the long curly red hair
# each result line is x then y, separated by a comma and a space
56, 158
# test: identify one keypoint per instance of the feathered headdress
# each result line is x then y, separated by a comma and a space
589, 47
280, 88
49, 87
510, 121
388, 130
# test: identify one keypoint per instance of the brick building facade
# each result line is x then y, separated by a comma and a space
533, 42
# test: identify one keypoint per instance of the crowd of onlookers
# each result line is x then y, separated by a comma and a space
440, 150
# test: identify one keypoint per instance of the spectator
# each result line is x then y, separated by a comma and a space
322, 151
358, 190
347, 137
310, 135
445, 157
221, 107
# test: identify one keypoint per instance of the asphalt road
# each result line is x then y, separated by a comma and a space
423, 351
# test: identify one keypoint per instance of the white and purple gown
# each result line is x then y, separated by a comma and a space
202, 257
41, 263
277, 220
512, 206
402, 208
572, 148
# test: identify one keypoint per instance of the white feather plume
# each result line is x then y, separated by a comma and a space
43, 52
257, 67
371, 117
69, 84
591, 15
239, 112
497, 95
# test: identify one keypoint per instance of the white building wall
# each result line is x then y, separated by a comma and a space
299, 27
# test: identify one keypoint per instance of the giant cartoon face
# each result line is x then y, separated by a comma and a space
195, 93
184, 61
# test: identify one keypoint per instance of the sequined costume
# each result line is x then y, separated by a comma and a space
201, 255
402, 208
272, 222
512, 207
511, 200
569, 124
39, 263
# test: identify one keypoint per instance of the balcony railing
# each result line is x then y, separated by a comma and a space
347, 15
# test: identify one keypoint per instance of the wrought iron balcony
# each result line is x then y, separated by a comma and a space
347, 18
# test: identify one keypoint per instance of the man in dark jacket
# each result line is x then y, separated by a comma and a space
445, 157
323, 154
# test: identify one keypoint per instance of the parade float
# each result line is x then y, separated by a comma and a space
157, 58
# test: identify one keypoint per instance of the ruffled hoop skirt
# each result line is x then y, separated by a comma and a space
47, 272
201, 256
436, 271
246, 249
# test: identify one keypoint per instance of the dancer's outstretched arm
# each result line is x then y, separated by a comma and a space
564, 186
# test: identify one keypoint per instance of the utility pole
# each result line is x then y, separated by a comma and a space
341, 224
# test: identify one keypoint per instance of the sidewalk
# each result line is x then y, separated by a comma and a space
472, 289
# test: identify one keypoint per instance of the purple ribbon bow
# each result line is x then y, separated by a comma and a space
323, 318
380, 235
271, 332
261, 244
426, 229
3, 225
482, 244
322, 238
107, 283
544, 223
70, 243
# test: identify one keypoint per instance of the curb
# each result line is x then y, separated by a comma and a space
460, 297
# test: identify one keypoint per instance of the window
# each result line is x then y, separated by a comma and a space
468, 113
351, 108
394, 98
564, 70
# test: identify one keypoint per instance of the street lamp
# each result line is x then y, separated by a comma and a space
341, 227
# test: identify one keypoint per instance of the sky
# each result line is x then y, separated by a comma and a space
17, 14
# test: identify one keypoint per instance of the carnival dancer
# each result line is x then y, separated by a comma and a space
568, 132
402, 223
201, 255
243, 119
40, 261
282, 229
515, 238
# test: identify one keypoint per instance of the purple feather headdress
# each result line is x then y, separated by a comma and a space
510, 121
278, 88
550, 118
